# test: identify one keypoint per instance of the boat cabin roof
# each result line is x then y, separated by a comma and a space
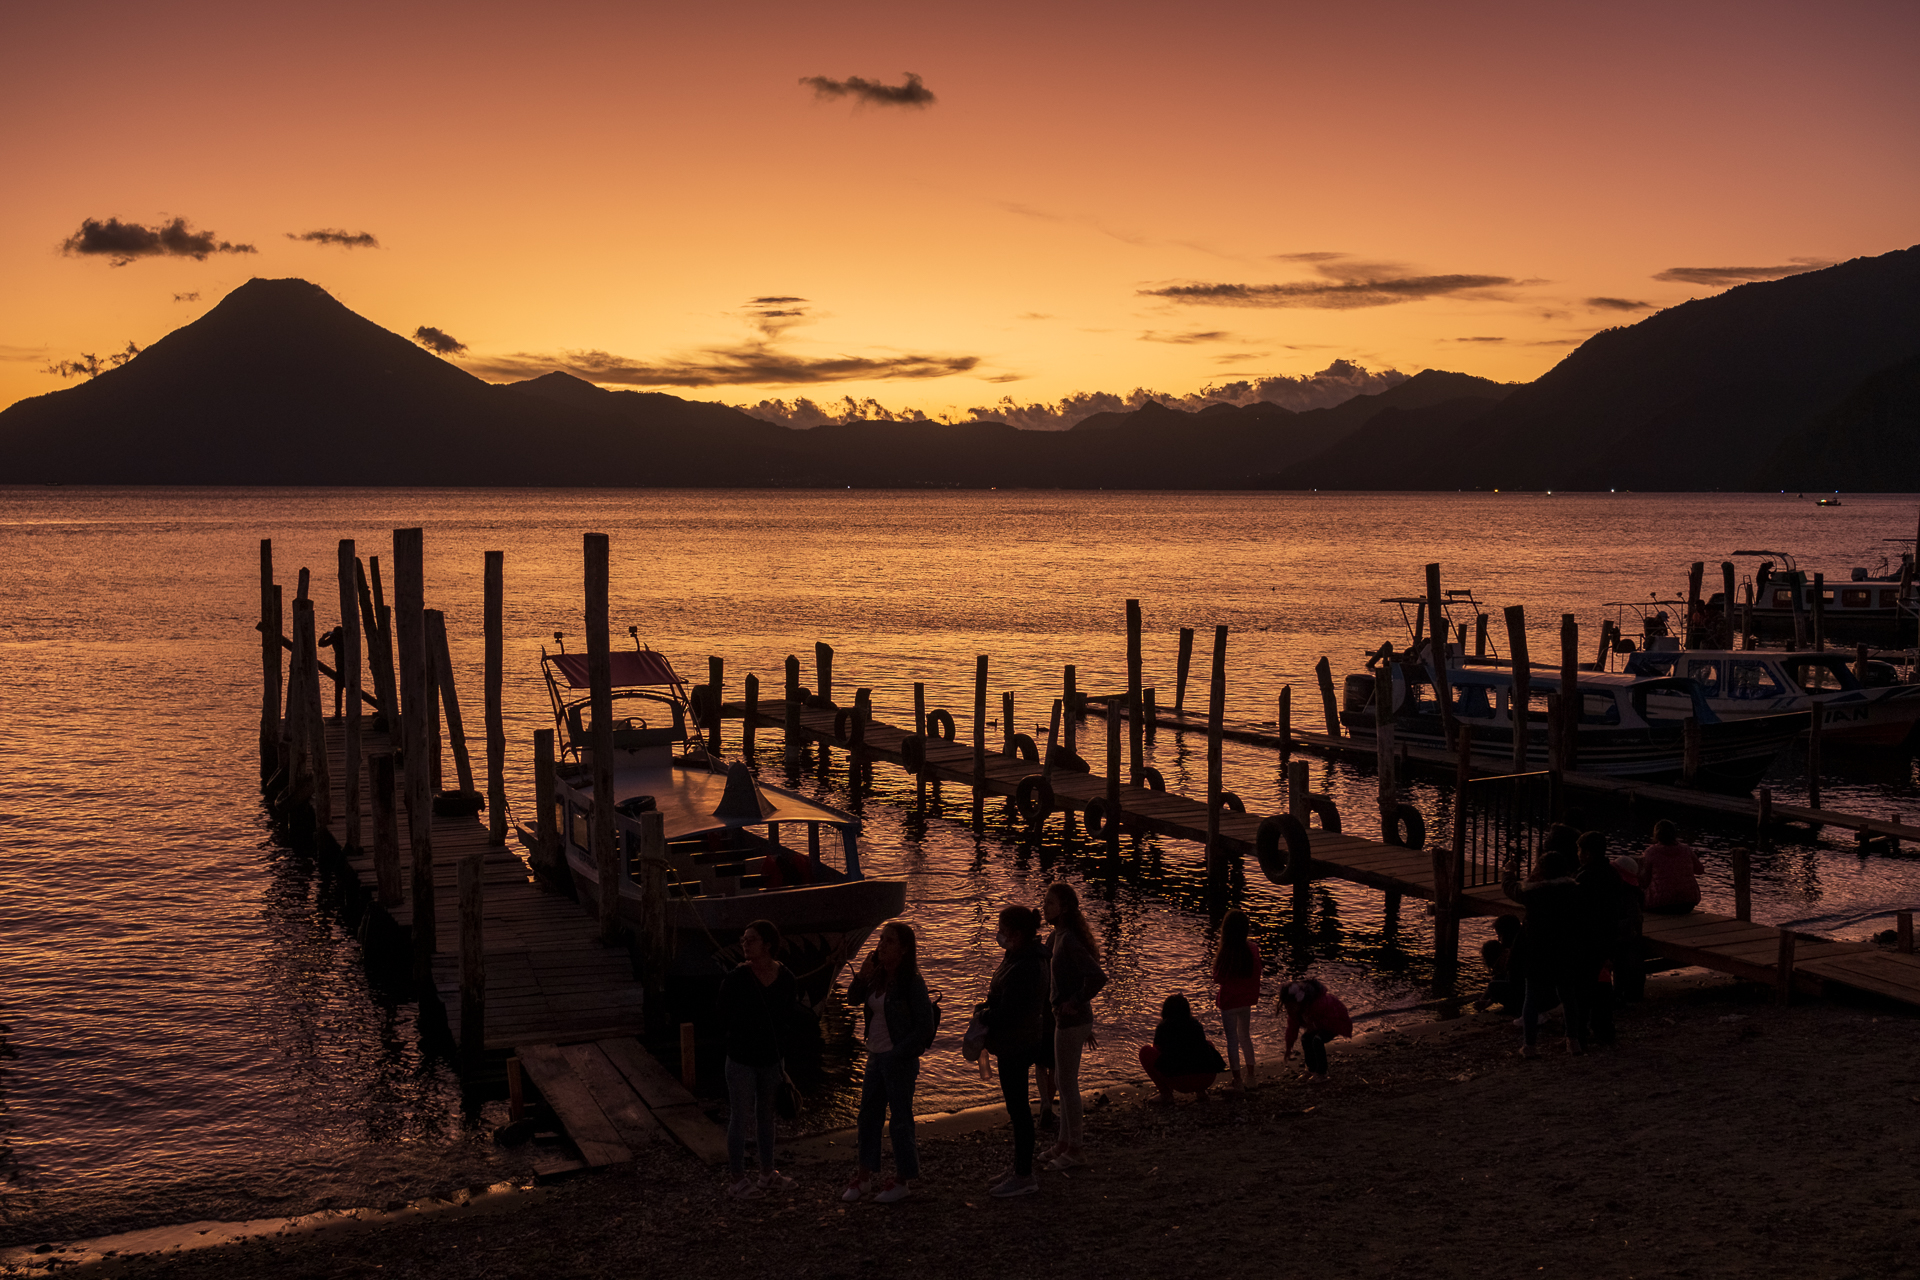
687, 798
630, 669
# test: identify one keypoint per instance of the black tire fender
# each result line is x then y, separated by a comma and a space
1026, 748
1098, 821
1405, 815
1323, 808
1284, 849
913, 752
1151, 777
849, 727
1034, 799
1071, 761
940, 724
1230, 801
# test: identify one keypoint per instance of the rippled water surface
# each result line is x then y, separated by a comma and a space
193, 1033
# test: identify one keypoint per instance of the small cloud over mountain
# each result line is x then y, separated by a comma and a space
122, 242
1479, 339
1618, 304
343, 239
187, 297
1345, 284
1722, 276
867, 92
749, 364
439, 341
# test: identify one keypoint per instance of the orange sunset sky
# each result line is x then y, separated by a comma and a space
1097, 198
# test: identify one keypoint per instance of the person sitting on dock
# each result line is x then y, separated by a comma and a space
1181, 1059
1506, 967
899, 1028
759, 1001
1671, 877
1315, 1015
1555, 940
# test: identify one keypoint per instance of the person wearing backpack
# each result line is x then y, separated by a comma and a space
901, 1020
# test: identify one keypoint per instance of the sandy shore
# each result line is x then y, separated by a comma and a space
1723, 1137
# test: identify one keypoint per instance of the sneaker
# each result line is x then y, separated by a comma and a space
894, 1192
1015, 1186
858, 1185
1051, 1153
775, 1181
745, 1189
1064, 1161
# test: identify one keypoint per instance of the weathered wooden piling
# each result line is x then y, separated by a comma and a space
1903, 932
1819, 616
1742, 884
823, 672
1479, 635
410, 633
1113, 773
1068, 695
1726, 598
656, 946
1329, 705
1813, 756
378, 642
792, 715
1383, 728
920, 727
493, 623
473, 958
1783, 969
1799, 613
1439, 650
299, 789
1690, 631
1149, 712
315, 723
753, 716
1136, 760
1520, 697
546, 829
1182, 665
348, 650
449, 699
716, 699
1216, 721
1007, 727
600, 681
1570, 699
386, 829
1297, 792
1283, 723
436, 777
980, 740
270, 675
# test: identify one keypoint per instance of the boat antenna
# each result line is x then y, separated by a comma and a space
560, 639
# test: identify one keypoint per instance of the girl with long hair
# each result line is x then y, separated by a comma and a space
899, 1028
1236, 980
1074, 978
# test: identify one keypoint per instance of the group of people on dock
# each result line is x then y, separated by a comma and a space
1578, 944
1035, 1026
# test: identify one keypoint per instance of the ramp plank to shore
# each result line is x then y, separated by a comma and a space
1721, 943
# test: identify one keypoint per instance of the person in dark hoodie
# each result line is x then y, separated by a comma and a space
899, 1028
759, 1000
1074, 978
1016, 1012
1557, 944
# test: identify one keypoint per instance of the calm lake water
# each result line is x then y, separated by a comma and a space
190, 1032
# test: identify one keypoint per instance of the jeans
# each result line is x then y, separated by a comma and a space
1068, 1043
1313, 1047
750, 1091
1544, 990
1238, 1024
889, 1087
1013, 1088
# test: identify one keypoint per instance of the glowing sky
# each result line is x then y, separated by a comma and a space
1099, 197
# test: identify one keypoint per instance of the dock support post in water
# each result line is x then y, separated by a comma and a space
347, 649
606, 865
1479, 635
410, 630
1570, 700
1519, 712
1383, 728
1113, 775
1329, 705
1006, 723
979, 741
270, 629
450, 700
792, 713
1135, 737
546, 832
1742, 884
1813, 758
753, 714
656, 946
1216, 719
1149, 713
716, 699
823, 672
920, 728
1283, 724
1819, 616
494, 625
1438, 649
473, 959
386, 830
1070, 736
1180, 672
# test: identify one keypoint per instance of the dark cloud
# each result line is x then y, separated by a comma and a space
439, 341
865, 91
121, 242
749, 364
1338, 382
187, 297
1720, 276
773, 315
773, 300
1188, 339
1619, 304
345, 239
1479, 339
1345, 285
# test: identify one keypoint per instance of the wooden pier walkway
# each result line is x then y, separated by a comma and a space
567, 1006
1753, 952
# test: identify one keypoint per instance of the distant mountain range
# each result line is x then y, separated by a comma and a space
1808, 382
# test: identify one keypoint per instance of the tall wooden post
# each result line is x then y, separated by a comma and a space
1813, 757
386, 830
1329, 705
716, 700
449, 699
315, 721
1439, 651
657, 947
1135, 748
1113, 774
473, 958
1216, 719
1726, 599
606, 864
301, 786
494, 625
379, 646
1297, 791
1690, 632
1006, 723
1819, 612
980, 740
546, 829
1522, 692
1383, 728
792, 711
410, 633
1479, 635
1185, 662
348, 651
1742, 884
1149, 713
1068, 695
1799, 582
823, 672
1283, 724
270, 627
920, 727
747, 725
1570, 699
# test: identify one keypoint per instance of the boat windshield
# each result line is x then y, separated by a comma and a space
1753, 680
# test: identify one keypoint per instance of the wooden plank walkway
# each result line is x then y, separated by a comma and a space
569, 1007
1722, 943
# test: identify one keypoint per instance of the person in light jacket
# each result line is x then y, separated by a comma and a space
899, 1028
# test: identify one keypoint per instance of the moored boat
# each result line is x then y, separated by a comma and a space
1741, 684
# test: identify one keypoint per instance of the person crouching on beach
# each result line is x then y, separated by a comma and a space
1181, 1058
1236, 980
759, 1000
1671, 878
1315, 1015
1506, 985
899, 1028
1016, 1012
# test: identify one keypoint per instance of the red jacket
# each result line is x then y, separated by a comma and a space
1324, 1014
